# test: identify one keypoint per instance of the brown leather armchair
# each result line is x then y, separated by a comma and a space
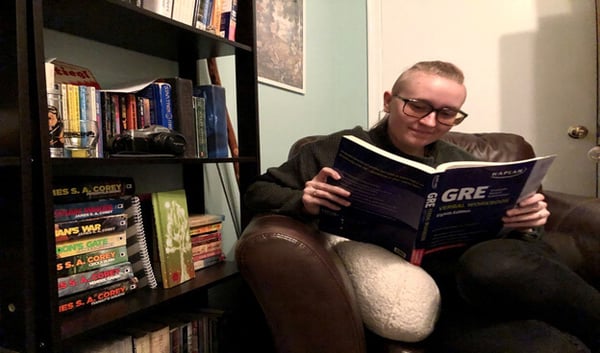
305, 292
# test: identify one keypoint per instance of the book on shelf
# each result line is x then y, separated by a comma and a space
80, 282
89, 261
183, 111
203, 219
87, 209
205, 234
215, 17
137, 244
77, 229
203, 14
215, 119
172, 237
228, 19
67, 189
413, 209
95, 296
184, 11
89, 244
161, 7
200, 142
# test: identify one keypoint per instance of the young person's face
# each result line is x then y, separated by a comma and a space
410, 134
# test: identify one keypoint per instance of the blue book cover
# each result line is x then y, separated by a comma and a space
413, 209
216, 119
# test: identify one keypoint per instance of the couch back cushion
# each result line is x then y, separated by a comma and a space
488, 146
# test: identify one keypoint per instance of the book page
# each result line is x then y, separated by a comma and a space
391, 156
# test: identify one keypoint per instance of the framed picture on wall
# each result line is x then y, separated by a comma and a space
280, 43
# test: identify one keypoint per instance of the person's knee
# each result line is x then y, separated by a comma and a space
491, 267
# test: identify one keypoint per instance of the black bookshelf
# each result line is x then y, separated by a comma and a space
29, 319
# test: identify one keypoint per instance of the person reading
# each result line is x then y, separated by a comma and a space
511, 285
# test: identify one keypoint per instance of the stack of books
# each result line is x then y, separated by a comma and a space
205, 232
91, 244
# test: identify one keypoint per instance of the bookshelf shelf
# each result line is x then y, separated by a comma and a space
29, 318
79, 322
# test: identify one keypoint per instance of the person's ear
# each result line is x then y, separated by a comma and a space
387, 97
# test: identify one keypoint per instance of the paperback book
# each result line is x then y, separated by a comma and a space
413, 209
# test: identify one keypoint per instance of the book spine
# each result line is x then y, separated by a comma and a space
200, 128
205, 262
203, 14
73, 230
130, 100
137, 245
68, 190
166, 106
80, 282
83, 103
77, 247
183, 112
199, 230
95, 296
90, 261
215, 119
115, 113
80, 210
205, 238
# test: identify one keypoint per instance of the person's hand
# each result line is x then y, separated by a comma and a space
317, 193
530, 213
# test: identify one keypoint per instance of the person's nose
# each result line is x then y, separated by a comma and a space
429, 119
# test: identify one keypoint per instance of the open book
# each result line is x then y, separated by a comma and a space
413, 209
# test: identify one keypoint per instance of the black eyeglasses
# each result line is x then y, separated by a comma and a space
419, 109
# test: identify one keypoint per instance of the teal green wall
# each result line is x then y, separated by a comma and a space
336, 81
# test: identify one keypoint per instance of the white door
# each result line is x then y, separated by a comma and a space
530, 68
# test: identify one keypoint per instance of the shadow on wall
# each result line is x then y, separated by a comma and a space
555, 68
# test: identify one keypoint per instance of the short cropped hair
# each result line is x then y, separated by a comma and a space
439, 68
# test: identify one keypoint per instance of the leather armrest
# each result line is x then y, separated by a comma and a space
573, 230
301, 285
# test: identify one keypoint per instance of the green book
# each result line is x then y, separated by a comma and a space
173, 237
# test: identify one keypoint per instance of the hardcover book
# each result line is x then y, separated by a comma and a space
413, 209
215, 119
183, 112
201, 144
172, 236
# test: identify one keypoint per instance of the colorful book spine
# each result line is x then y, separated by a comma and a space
78, 247
80, 210
199, 230
70, 265
87, 188
201, 263
205, 238
96, 296
80, 282
73, 230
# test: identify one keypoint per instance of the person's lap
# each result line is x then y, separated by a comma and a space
520, 297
